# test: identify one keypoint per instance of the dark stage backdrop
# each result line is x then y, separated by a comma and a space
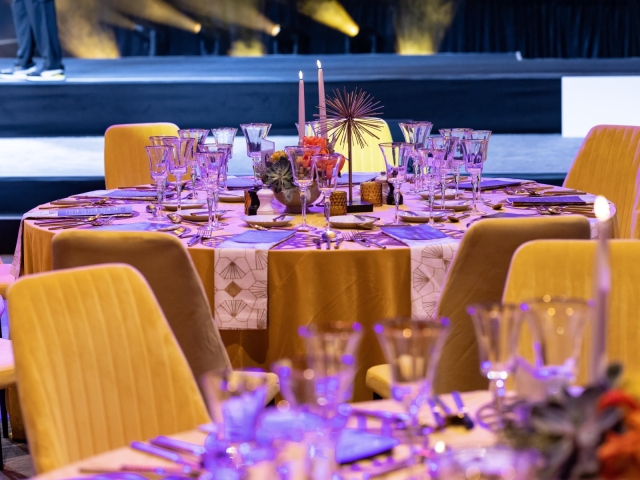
536, 28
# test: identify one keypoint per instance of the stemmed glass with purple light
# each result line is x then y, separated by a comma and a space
159, 168
302, 169
199, 136
254, 133
475, 153
481, 135
448, 144
226, 136
416, 133
432, 159
457, 158
327, 168
212, 160
182, 151
396, 158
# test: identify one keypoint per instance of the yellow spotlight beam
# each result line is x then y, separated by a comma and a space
116, 19
330, 13
421, 25
157, 11
243, 13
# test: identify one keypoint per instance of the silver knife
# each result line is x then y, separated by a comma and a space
177, 445
162, 453
379, 245
462, 410
194, 240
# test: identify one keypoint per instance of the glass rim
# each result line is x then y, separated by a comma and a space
393, 324
223, 129
416, 122
559, 299
253, 125
487, 305
329, 327
396, 144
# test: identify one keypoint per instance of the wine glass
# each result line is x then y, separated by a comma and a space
497, 327
481, 135
211, 160
327, 168
311, 129
182, 150
158, 165
412, 348
158, 141
475, 153
431, 159
448, 144
224, 170
254, 133
557, 326
302, 169
457, 159
226, 136
199, 136
416, 133
396, 158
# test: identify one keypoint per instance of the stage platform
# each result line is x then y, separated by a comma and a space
492, 91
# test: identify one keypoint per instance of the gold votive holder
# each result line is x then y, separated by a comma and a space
371, 192
338, 201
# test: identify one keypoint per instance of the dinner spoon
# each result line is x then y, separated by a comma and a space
457, 218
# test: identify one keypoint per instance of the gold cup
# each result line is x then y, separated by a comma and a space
338, 201
371, 192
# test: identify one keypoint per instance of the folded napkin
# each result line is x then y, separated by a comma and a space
553, 200
431, 254
136, 227
240, 279
122, 194
492, 183
77, 212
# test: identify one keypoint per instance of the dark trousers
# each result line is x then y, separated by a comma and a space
36, 25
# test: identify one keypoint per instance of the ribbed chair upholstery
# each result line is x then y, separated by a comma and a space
369, 158
125, 159
167, 266
607, 164
97, 364
478, 274
565, 269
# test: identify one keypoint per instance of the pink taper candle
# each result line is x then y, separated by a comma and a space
602, 287
301, 111
321, 102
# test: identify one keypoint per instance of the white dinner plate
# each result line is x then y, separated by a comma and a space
456, 205
449, 194
201, 215
423, 216
351, 221
267, 220
186, 204
236, 196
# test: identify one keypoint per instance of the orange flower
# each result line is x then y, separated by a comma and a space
617, 398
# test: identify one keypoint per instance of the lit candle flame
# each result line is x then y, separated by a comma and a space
319, 64
601, 208
300, 74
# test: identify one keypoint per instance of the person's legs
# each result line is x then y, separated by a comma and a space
42, 14
26, 42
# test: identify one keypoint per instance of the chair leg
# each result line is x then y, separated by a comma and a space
3, 414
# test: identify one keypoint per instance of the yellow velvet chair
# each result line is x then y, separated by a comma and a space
369, 158
167, 266
125, 159
97, 364
478, 274
563, 268
607, 164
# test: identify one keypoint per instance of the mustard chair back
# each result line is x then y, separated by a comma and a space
369, 158
607, 164
169, 270
565, 269
478, 274
97, 364
125, 159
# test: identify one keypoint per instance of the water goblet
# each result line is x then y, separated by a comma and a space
159, 158
457, 159
226, 136
254, 134
396, 158
327, 168
475, 153
158, 141
481, 135
497, 327
448, 144
211, 161
311, 129
432, 159
557, 327
199, 136
182, 151
412, 348
302, 169
416, 133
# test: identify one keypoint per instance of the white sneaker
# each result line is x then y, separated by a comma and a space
16, 72
46, 76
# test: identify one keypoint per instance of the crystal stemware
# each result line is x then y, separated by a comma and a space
396, 158
327, 168
226, 136
557, 326
254, 133
432, 160
457, 159
416, 133
159, 158
475, 153
412, 348
481, 135
311, 129
182, 151
211, 161
199, 137
497, 327
302, 169
158, 141
448, 144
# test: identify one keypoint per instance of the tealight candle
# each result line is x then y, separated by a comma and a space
602, 287
300, 110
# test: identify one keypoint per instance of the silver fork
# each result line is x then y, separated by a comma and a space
350, 237
359, 236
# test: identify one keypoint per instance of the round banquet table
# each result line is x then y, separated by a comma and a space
305, 285
453, 437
